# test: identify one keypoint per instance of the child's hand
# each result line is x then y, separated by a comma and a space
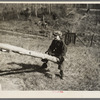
61, 59
46, 52
58, 61
44, 60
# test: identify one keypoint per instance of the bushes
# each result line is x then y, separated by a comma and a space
22, 11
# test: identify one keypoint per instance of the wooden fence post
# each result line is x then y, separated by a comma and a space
91, 42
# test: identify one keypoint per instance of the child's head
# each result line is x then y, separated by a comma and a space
57, 35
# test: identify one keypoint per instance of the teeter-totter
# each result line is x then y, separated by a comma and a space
27, 52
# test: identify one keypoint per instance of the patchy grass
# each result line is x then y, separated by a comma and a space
21, 72
24, 73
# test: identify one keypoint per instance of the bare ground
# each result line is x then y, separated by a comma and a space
21, 72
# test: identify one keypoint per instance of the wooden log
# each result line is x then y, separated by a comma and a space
28, 52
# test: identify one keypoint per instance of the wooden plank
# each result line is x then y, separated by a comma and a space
28, 52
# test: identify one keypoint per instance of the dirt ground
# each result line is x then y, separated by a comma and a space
21, 72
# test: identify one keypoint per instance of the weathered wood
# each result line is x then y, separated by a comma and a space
81, 41
91, 40
28, 52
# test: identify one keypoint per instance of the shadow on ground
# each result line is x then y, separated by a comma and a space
25, 68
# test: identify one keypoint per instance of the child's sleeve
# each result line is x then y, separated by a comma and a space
50, 47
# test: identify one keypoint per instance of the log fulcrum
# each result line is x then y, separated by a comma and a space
27, 52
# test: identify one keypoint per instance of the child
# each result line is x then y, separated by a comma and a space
57, 49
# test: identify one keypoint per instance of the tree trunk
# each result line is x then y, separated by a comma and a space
49, 8
36, 9
91, 40
27, 52
17, 12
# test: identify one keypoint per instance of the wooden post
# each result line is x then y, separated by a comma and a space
91, 40
81, 41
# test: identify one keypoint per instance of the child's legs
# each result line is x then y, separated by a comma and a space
45, 62
61, 68
44, 65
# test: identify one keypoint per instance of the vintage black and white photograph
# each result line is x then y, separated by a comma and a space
49, 46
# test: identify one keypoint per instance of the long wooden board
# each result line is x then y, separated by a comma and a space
27, 52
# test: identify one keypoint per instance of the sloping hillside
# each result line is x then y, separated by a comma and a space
82, 67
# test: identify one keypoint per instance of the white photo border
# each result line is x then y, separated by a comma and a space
30, 95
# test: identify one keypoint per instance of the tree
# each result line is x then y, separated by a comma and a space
49, 8
4, 12
36, 10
